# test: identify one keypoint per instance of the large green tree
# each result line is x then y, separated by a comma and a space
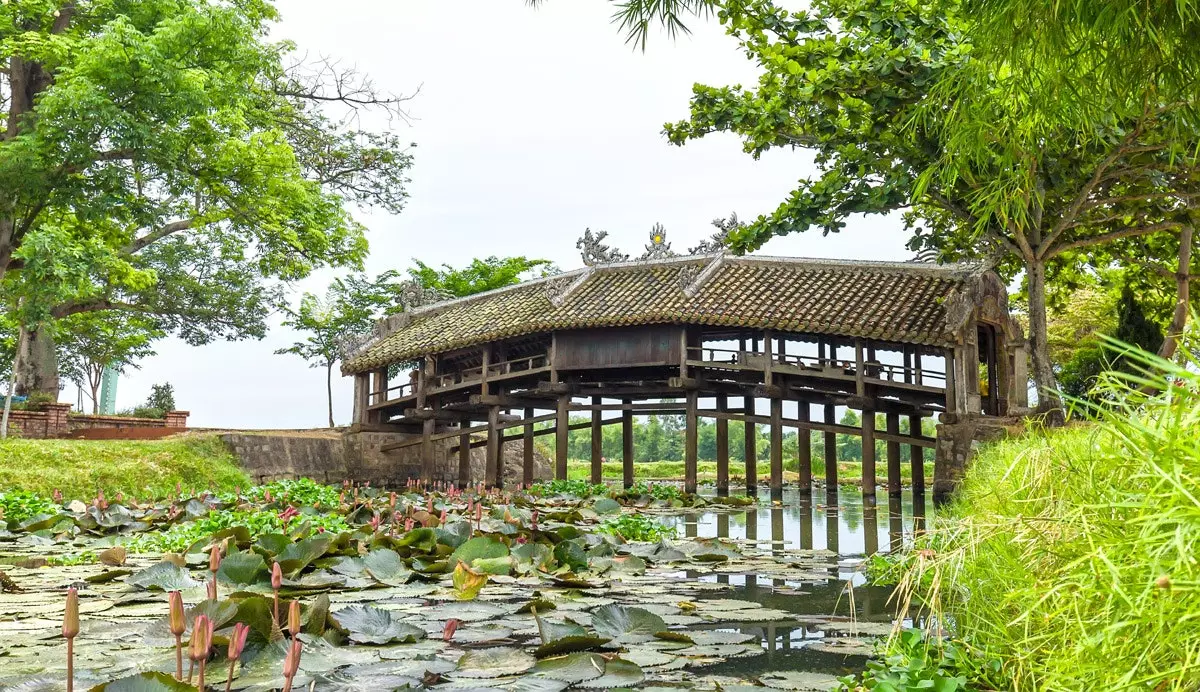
90, 343
166, 157
858, 81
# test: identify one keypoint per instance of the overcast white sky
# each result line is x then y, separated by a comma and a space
530, 126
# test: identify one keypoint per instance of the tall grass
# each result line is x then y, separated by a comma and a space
79, 468
1073, 556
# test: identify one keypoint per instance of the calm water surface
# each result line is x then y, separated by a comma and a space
850, 531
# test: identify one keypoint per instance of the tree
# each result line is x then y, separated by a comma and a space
168, 159
858, 83
635, 17
90, 343
480, 275
350, 306
162, 397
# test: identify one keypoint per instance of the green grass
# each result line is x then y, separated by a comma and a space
1071, 556
849, 472
151, 467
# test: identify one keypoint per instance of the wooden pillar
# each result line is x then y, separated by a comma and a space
951, 383
562, 429
893, 454
428, 468
494, 475
768, 358
379, 386
597, 441
527, 450
916, 457
860, 386
627, 444
917, 366
464, 458
868, 453
804, 448
722, 446
776, 447
362, 390
689, 452
483, 370
831, 466
751, 447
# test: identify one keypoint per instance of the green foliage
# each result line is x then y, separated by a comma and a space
658, 491
162, 397
19, 505
78, 468
90, 342
637, 527
180, 536
1070, 555
480, 275
577, 488
913, 662
304, 492
636, 17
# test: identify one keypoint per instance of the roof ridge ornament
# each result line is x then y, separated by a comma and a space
719, 241
594, 250
414, 294
559, 288
658, 248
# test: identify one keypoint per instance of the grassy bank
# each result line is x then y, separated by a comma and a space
1070, 558
79, 467
849, 472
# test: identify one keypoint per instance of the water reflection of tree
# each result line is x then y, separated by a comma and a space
853, 514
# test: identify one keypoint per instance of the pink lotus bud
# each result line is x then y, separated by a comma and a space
70, 624
175, 619
291, 663
479, 514
429, 506
237, 641
448, 630
276, 577
267, 496
201, 644
58, 496
392, 499
408, 524
214, 558
294, 618
442, 516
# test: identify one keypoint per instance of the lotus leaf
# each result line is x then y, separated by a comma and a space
242, 568
144, 682
386, 566
300, 554
573, 668
493, 663
165, 576
467, 582
370, 625
571, 555
606, 505
617, 673
480, 547
421, 539
626, 623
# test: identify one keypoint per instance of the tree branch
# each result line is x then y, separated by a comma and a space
157, 235
1114, 235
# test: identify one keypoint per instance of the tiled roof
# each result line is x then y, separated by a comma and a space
893, 301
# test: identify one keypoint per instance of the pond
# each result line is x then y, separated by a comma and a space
533, 590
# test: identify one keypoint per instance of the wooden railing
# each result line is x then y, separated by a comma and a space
872, 370
508, 367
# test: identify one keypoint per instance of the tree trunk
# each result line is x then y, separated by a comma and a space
1049, 403
37, 369
1183, 282
329, 389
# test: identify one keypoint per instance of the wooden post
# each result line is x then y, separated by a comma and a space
768, 356
562, 428
776, 447
917, 366
597, 441
527, 458
362, 387
428, 468
916, 457
487, 355
751, 447
868, 453
494, 475
379, 384
722, 447
689, 452
951, 383
860, 386
627, 444
464, 458
831, 466
804, 448
893, 454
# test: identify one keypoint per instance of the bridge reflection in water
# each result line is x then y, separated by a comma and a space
842, 536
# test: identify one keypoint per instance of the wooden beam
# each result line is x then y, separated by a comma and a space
868, 453
464, 459
428, 466
494, 476
527, 449
690, 447
893, 454
561, 440
751, 447
916, 457
627, 444
831, 466
722, 446
776, 444
597, 442
804, 449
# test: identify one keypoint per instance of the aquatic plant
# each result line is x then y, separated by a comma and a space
70, 629
1070, 555
18, 505
637, 527
914, 662
576, 488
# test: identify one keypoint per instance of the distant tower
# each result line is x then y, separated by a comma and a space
108, 392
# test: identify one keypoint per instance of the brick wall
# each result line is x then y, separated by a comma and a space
56, 420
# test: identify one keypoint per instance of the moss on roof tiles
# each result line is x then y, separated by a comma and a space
892, 301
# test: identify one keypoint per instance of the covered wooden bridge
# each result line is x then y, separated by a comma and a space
779, 342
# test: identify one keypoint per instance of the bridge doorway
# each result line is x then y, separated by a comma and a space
988, 370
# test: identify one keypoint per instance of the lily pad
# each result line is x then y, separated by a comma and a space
617, 673
242, 568
144, 682
165, 576
573, 668
626, 623
478, 548
371, 625
493, 663
386, 566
